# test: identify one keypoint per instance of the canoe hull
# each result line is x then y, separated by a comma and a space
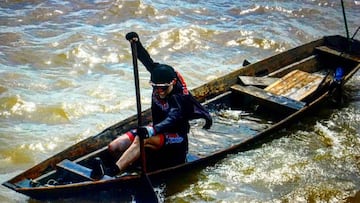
310, 58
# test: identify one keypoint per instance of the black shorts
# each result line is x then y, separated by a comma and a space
172, 153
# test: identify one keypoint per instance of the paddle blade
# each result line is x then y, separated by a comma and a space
146, 191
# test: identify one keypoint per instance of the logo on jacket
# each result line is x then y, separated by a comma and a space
173, 138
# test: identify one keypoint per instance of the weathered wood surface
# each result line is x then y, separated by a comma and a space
78, 170
257, 81
328, 50
308, 64
260, 68
305, 58
296, 85
268, 97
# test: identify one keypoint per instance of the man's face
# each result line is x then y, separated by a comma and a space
163, 89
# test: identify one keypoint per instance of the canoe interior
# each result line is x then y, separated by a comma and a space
243, 115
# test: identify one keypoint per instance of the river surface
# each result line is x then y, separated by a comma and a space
66, 74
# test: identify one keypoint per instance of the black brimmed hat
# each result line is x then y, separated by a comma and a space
162, 74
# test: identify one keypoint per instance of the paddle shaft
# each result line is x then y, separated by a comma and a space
138, 101
148, 190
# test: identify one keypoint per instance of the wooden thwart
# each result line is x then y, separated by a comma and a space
77, 169
268, 97
296, 85
334, 52
257, 81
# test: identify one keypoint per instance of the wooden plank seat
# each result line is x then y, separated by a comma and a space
268, 97
296, 85
328, 50
92, 154
257, 81
77, 170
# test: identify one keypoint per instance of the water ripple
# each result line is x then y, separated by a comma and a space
66, 74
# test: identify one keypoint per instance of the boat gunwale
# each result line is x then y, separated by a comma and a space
203, 93
242, 146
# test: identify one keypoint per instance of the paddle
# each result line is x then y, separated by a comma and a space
147, 191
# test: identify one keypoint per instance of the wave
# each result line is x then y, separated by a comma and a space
15, 108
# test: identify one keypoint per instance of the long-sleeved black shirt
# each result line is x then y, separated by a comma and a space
172, 114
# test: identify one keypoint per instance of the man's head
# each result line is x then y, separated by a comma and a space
163, 78
162, 74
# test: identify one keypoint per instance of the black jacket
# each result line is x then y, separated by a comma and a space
173, 113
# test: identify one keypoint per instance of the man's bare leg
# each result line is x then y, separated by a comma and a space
133, 152
130, 155
119, 145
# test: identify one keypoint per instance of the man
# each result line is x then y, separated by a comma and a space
172, 107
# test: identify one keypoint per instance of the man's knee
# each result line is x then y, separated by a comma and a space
111, 147
155, 142
119, 144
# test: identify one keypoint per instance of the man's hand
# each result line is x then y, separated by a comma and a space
145, 131
132, 36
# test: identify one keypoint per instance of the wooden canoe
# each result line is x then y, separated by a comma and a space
243, 114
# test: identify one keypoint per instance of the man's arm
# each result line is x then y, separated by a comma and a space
142, 54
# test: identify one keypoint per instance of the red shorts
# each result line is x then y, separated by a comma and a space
165, 138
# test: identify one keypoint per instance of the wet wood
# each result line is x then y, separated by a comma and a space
296, 85
266, 66
308, 64
77, 170
328, 50
218, 94
257, 81
268, 97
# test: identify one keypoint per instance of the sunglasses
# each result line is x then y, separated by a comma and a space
163, 86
